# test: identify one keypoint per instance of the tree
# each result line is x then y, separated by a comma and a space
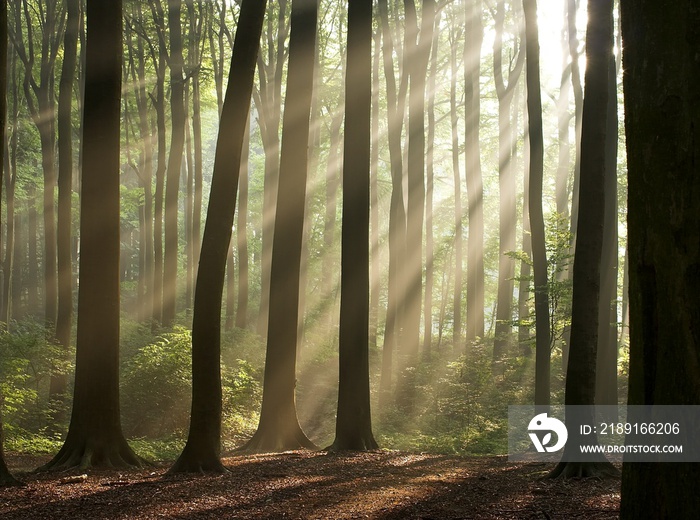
177, 142
417, 54
397, 214
507, 188
539, 253
278, 429
268, 102
353, 429
606, 365
662, 115
6, 477
59, 382
581, 366
474, 36
95, 437
41, 102
201, 453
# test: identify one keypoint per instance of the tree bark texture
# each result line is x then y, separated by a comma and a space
662, 117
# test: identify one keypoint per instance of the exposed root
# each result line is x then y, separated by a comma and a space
84, 454
6, 478
267, 441
599, 469
200, 460
359, 444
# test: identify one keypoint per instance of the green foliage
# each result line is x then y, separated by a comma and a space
157, 385
27, 359
559, 284
462, 408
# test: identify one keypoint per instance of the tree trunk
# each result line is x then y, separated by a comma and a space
242, 234
5, 477
202, 451
458, 217
606, 368
662, 115
177, 142
474, 32
269, 103
429, 188
539, 254
59, 382
581, 367
353, 429
507, 188
417, 53
94, 436
279, 428
393, 327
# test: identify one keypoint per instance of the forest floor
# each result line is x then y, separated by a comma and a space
313, 485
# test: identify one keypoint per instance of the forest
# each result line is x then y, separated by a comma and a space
318, 249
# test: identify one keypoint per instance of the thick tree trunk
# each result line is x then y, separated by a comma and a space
662, 117
94, 436
279, 428
354, 423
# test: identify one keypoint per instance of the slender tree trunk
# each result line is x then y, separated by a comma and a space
507, 189
375, 261
242, 234
525, 266
539, 254
159, 103
458, 217
474, 35
606, 367
32, 280
429, 188
202, 451
59, 382
393, 328
177, 142
417, 55
268, 103
581, 368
